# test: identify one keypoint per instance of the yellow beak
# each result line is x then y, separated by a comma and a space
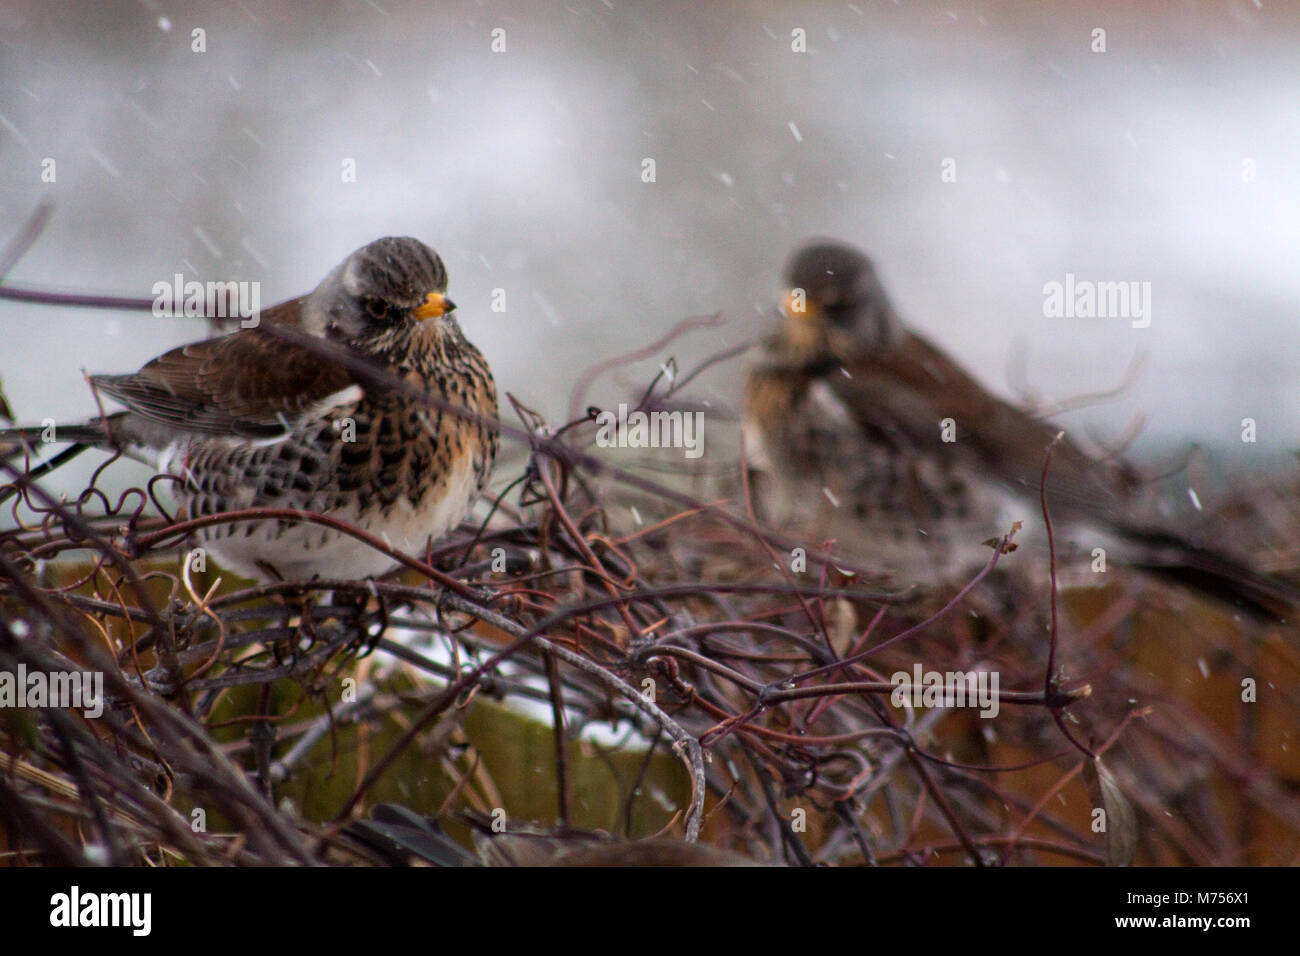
434, 305
795, 305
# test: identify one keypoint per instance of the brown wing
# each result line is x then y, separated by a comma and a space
906, 391
250, 383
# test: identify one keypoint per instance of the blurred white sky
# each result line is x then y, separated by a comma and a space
523, 169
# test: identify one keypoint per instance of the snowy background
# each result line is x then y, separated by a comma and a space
523, 169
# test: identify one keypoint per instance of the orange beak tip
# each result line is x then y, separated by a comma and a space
435, 304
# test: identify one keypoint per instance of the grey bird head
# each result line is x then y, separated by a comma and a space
383, 287
834, 287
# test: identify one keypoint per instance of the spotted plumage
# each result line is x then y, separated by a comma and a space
256, 419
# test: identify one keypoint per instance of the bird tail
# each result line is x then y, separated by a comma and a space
21, 442
14, 441
1215, 574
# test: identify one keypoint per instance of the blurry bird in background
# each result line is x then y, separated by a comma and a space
861, 431
261, 419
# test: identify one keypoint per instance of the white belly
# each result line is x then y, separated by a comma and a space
307, 549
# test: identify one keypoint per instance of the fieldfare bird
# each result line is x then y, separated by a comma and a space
342, 402
859, 430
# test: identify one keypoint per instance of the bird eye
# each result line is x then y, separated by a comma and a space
376, 308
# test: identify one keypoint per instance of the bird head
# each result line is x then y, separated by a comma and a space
833, 293
385, 288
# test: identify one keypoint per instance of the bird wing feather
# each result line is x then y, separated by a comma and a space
906, 391
251, 383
